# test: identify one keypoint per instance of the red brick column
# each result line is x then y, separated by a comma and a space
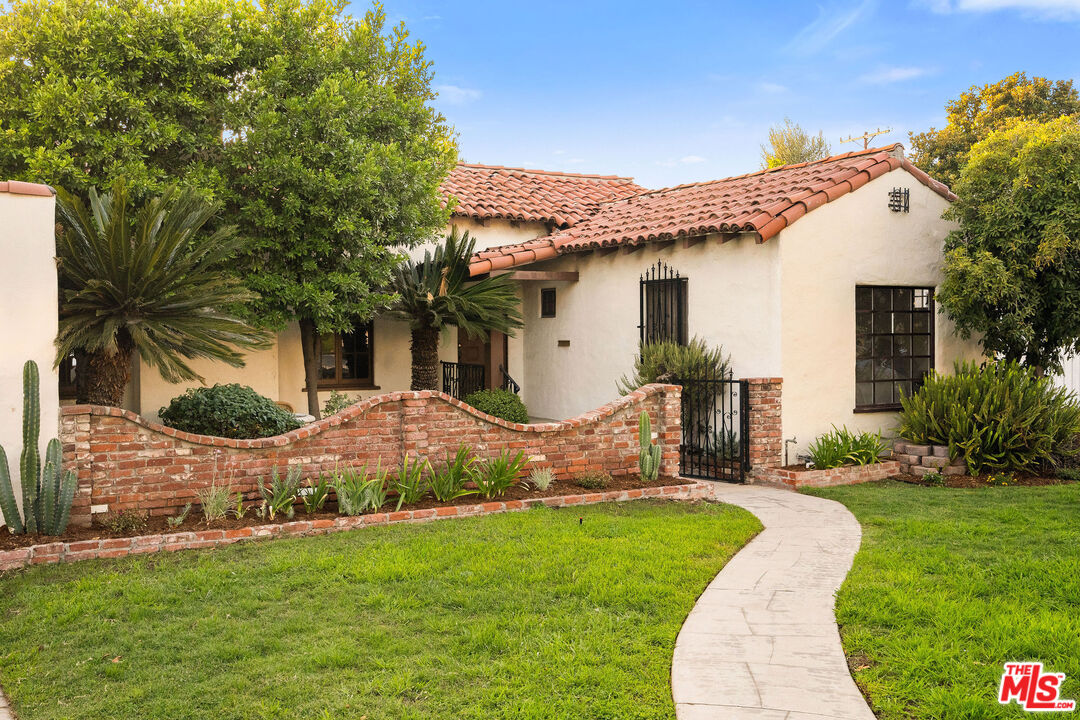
75, 445
766, 433
669, 430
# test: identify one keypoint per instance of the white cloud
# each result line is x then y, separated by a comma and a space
888, 75
1042, 9
691, 159
830, 22
457, 95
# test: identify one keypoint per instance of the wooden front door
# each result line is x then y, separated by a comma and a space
473, 351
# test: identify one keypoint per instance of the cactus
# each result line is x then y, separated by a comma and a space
649, 457
47, 494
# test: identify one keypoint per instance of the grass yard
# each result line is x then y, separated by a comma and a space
523, 615
951, 584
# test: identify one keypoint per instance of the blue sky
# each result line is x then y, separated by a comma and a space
672, 92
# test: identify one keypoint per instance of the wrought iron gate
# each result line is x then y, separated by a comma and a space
715, 427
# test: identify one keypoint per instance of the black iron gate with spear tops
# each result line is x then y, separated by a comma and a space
715, 427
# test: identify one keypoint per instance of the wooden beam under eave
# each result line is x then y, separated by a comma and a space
630, 249
546, 275
663, 244
604, 251
693, 240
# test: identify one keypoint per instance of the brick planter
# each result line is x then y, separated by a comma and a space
848, 475
126, 462
120, 547
925, 459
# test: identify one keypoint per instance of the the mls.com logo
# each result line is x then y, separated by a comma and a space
1032, 689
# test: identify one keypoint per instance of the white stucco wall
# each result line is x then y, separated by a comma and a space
28, 318
854, 240
733, 301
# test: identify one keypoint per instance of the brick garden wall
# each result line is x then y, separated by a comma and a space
125, 462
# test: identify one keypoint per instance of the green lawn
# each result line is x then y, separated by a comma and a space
523, 615
951, 584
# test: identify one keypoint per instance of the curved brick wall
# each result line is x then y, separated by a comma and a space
124, 461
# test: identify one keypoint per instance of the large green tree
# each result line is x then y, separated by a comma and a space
150, 280
93, 91
982, 110
1012, 269
336, 162
437, 292
789, 144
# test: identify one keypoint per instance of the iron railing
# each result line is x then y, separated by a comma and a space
715, 427
509, 383
462, 379
662, 305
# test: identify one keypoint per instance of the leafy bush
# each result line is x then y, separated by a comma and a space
314, 496
1001, 416
125, 522
595, 480
337, 402
668, 361
449, 484
494, 477
1069, 473
500, 403
843, 447
232, 411
175, 521
934, 478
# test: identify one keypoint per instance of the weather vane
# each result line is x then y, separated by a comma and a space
866, 137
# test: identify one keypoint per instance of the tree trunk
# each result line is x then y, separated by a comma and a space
425, 358
106, 375
311, 343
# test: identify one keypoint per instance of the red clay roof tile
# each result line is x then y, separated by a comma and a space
17, 187
563, 199
763, 202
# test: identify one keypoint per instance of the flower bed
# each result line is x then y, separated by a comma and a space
87, 549
798, 476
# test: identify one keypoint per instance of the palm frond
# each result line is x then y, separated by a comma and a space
157, 275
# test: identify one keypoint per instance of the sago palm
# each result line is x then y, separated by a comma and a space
151, 280
437, 291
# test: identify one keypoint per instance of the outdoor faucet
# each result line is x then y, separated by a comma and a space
786, 443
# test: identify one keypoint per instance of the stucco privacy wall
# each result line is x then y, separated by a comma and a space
733, 301
124, 461
854, 240
28, 301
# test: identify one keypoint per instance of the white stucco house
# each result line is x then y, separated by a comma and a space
822, 274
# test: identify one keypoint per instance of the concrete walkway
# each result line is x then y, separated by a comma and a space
762, 642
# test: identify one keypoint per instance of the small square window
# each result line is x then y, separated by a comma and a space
547, 303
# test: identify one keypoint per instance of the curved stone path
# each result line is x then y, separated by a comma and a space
762, 642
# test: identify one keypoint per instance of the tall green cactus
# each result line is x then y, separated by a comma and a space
47, 494
649, 456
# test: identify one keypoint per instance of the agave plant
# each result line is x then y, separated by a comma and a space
438, 291
152, 280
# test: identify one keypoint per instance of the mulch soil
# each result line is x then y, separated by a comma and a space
156, 524
982, 481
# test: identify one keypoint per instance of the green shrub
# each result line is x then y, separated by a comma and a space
668, 361
358, 493
1069, 473
231, 411
934, 478
843, 447
280, 495
1001, 416
125, 522
411, 482
595, 480
541, 478
449, 483
214, 501
500, 403
337, 402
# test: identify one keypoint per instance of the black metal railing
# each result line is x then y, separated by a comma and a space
715, 427
462, 379
509, 383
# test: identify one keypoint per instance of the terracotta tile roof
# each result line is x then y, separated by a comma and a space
563, 199
763, 202
17, 187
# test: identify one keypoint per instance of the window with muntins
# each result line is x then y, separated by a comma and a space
663, 294
547, 303
894, 343
348, 359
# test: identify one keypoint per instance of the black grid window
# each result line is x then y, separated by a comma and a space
894, 343
547, 303
663, 306
348, 359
